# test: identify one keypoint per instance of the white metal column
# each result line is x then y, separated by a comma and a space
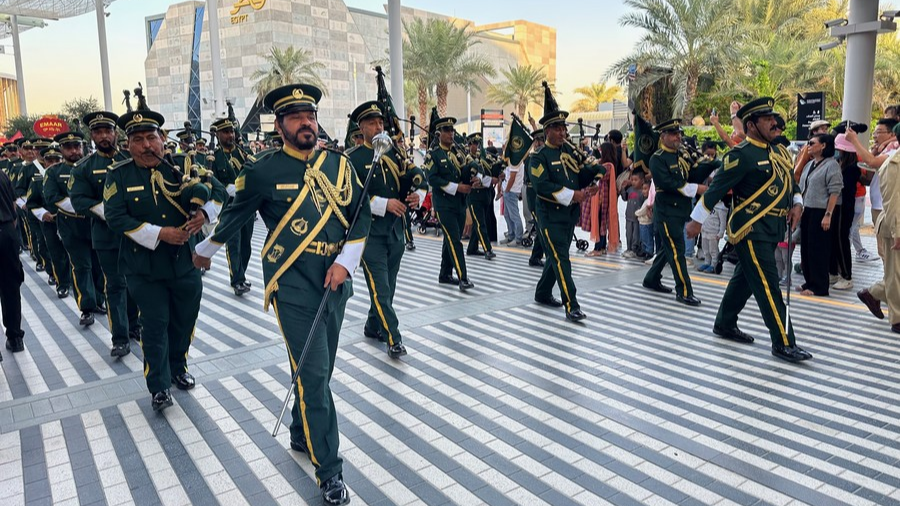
859, 73
212, 14
395, 32
20, 76
104, 55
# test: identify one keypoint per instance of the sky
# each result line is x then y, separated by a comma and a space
62, 61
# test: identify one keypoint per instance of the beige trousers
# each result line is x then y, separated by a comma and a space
888, 289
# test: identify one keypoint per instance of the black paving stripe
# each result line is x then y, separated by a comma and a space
34, 467
142, 489
84, 470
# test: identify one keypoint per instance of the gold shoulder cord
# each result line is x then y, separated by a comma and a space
158, 181
336, 197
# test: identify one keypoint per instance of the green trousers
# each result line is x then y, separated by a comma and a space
58, 262
169, 310
76, 237
116, 296
238, 251
557, 242
381, 264
757, 275
452, 224
313, 417
479, 234
37, 244
671, 231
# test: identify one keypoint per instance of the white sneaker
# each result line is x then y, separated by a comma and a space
649, 261
689, 261
844, 284
833, 278
628, 254
865, 256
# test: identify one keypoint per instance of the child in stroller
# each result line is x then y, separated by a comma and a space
424, 217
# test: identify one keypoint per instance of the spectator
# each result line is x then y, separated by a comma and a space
738, 129
841, 263
821, 184
645, 220
783, 259
816, 127
512, 191
600, 215
892, 112
712, 232
634, 197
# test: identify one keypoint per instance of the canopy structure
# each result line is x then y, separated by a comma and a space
23, 14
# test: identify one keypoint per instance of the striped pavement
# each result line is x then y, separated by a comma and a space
499, 402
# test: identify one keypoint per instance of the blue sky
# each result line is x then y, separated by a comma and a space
62, 60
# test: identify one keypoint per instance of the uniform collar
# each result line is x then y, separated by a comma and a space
666, 149
550, 145
296, 153
111, 155
445, 148
759, 144
368, 144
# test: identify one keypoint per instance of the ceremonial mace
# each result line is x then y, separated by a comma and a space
382, 144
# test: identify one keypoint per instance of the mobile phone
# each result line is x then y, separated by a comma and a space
714, 113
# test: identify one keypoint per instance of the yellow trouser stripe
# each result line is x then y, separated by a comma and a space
189, 345
228, 259
478, 229
384, 323
562, 278
762, 278
108, 309
450, 243
675, 259
75, 284
309, 446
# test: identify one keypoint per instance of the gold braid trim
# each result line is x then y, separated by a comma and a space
336, 197
158, 181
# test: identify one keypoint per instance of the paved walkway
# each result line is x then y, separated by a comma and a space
500, 401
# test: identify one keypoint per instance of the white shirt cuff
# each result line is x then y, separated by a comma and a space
146, 235
39, 213
486, 181
20, 202
700, 213
212, 211
798, 199
351, 255
231, 190
564, 196
450, 188
379, 206
100, 211
207, 248
689, 190
422, 194
66, 205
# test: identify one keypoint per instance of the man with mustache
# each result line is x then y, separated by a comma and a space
306, 198
760, 175
86, 193
159, 214
229, 160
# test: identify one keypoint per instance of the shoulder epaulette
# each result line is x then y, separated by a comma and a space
116, 165
83, 159
351, 150
741, 145
337, 152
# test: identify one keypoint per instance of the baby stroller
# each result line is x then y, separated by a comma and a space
528, 240
425, 218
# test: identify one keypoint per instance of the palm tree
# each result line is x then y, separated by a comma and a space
686, 38
411, 99
287, 67
595, 94
437, 53
521, 88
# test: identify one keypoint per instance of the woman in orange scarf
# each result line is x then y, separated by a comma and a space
600, 215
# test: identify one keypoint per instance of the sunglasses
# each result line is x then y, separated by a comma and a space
814, 143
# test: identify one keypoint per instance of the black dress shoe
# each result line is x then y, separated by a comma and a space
51, 281
100, 309
39, 267
334, 492
871, 302
15, 344
62, 292
791, 353
240, 290
474, 253
410, 246
135, 334
374, 334
549, 301
895, 328
120, 349
465, 284
449, 280
734, 334
490, 255
161, 400
299, 446
575, 316
535, 263
184, 381
87, 318
247, 284
720, 263
690, 300
659, 287
396, 351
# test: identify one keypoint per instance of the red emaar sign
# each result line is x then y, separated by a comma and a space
50, 126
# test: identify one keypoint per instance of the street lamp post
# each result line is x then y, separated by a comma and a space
20, 76
104, 55
395, 31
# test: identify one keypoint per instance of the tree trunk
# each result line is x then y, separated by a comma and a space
442, 91
690, 94
423, 103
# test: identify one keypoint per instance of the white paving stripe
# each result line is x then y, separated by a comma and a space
12, 484
112, 477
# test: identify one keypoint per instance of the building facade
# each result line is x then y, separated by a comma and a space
347, 40
9, 98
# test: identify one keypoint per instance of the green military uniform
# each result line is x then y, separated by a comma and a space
13, 169
675, 176
226, 167
74, 230
548, 276
393, 178
138, 202
446, 171
479, 199
88, 179
57, 264
306, 203
26, 174
760, 176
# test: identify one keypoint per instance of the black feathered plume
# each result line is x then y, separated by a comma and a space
142, 100
127, 101
550, 104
